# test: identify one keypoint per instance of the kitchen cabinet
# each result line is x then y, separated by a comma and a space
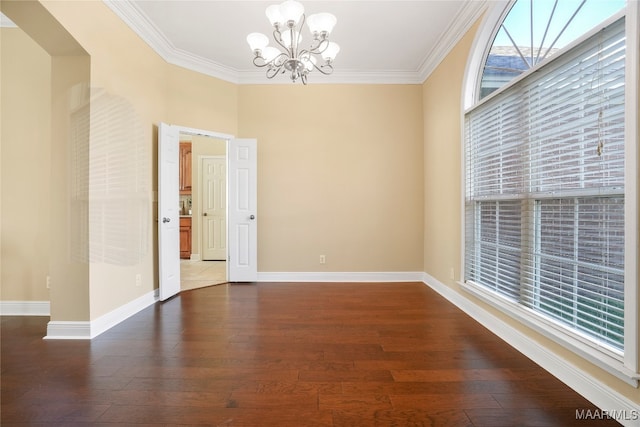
185, 237
185, 168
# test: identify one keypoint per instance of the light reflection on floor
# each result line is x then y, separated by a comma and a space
198, 274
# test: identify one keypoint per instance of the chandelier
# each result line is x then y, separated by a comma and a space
288, 19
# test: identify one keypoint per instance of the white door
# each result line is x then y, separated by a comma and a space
168, 215
242, 264
214, 208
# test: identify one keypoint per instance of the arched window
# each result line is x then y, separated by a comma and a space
547, 144
534, 31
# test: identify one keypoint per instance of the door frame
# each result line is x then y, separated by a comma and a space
211, 134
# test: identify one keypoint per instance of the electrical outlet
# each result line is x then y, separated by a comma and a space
138, 279
323, 259
48, 282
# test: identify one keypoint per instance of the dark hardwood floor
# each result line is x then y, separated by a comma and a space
280, 354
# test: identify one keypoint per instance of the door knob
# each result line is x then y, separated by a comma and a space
165, 219
205, 214
252, 217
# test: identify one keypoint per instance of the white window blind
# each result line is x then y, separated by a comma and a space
545, 189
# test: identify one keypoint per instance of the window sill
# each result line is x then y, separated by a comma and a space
601, 356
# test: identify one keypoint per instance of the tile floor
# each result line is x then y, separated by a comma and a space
198, 274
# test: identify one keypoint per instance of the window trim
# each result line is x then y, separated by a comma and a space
475, 103
626, 367
602, 356
632, 65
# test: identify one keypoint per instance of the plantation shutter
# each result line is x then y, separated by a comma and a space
544, 200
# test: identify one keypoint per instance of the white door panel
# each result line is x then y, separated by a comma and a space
214, 208
168, 215
242, 211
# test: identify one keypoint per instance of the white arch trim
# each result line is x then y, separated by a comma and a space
481, 45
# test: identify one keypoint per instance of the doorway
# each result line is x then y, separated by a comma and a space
204, 209
242, 227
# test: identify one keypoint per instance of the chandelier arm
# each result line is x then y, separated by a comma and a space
320, 68
292, 48
316, 49
294, 54
276, 65
304, 52
277, 36
258, 64
280, 60
274, 70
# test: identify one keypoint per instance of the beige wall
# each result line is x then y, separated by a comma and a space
339, 174
69, 219
442, 164
198, 101
443, 198
26, 158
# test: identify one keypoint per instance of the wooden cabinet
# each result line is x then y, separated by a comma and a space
185, 168
185, 237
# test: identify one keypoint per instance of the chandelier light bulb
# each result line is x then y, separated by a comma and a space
270, 53
329, 54
291, 10
321, 23
257, 41
274, 16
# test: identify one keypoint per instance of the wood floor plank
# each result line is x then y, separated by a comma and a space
357, 403
439, 402
282, 354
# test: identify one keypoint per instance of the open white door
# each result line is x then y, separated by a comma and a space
168, 215
242, 264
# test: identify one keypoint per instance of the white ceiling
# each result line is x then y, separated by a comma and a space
381, 41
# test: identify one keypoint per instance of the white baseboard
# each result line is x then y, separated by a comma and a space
400, 276
194, 257
109, 320
25, 308
68, 330
65, 330
601, 395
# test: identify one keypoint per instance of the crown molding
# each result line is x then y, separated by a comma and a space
202, 65
468, 14
150, 34
138, 22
